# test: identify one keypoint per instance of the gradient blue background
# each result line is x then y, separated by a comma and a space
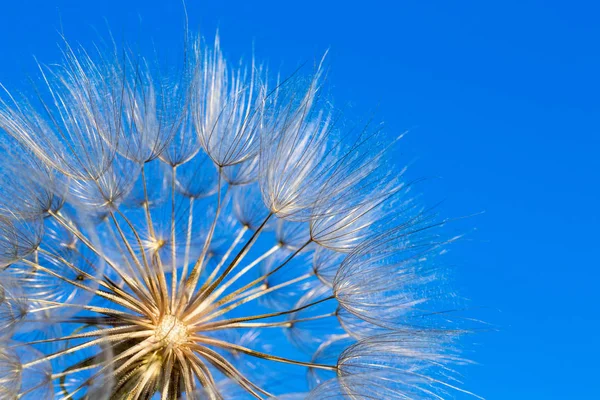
503, 103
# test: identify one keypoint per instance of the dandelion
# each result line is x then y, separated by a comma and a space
212, 232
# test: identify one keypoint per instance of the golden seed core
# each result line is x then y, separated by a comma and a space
171, 330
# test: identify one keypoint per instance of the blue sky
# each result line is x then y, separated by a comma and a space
502, 102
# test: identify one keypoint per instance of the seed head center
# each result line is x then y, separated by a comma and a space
171, 331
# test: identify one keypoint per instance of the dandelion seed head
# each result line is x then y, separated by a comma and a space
209, 232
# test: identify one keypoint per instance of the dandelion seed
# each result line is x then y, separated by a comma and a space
212, 233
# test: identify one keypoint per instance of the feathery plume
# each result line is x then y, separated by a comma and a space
167, 236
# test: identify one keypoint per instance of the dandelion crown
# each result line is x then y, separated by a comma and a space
210, 233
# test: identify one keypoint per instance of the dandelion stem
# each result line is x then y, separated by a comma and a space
140, 290
235, 242
100, 293
229, 370
203, 294
188, 242
218, 324
166, 386
107, 283
281, 324
254, 296
98, 332
192, 280
79, 367
241, 349
146, 204
136, 352
222, 288
260, 279
203, 373
188, 379
147, 275
109, 338
60, 219
173, 244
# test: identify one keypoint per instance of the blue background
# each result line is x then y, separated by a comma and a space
503, 103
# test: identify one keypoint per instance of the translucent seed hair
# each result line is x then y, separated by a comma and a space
210, 230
